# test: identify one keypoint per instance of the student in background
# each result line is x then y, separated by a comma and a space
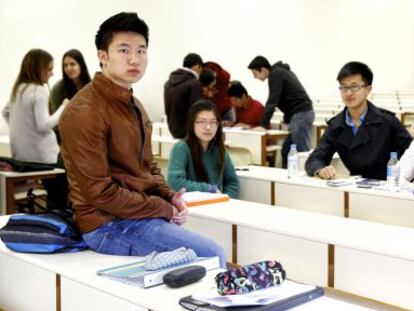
181, 91
221, 100
200, 162
249, 112
123, 206
31, 126
288, 95
75, 76
406, 164
362, 134
208, 84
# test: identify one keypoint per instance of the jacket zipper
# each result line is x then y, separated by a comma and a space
141, 159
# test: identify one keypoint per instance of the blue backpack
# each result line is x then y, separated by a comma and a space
41, 233
52, 231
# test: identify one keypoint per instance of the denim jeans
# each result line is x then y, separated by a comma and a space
300, 129
140, 237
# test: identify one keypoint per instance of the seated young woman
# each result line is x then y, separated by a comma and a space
200, 161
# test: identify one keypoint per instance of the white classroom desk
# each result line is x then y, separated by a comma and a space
271, 186
69, 282
7, 185
367, 259
249, 147
254, 141
162, 145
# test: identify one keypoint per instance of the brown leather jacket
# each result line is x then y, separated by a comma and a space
108, 157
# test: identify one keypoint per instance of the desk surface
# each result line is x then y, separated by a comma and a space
28, 174
163, 139
280, 175
356, 234
257, 133
79, 268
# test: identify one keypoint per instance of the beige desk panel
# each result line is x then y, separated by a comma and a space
311, 199
379, 277
255, 190
305, 261
35, 289
385, 210
77, 296
219, 232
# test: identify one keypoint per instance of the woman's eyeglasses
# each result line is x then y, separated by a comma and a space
204, 123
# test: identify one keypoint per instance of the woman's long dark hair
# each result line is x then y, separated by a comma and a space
69, 88
193, 141
34, 64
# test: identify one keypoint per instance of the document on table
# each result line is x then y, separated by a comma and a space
255, 298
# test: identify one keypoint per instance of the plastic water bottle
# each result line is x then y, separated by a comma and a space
393, 173
293, 162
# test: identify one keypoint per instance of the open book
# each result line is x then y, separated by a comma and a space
134, 273
195, 198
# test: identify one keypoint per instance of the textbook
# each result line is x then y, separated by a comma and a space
275, 298
134, 273
195, 198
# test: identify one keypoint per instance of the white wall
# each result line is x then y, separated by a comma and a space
316, 37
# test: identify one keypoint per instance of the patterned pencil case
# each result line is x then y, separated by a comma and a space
245, 279
156, 260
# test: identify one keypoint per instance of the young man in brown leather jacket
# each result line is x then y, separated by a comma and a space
122, 203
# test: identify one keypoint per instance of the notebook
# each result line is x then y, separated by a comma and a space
134, 273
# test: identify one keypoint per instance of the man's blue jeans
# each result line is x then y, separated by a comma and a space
140, 237
300, 129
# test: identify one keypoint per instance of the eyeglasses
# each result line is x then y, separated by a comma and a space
203, 123
353, 88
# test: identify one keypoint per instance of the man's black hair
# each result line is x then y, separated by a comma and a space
353, 68
258, 63
207, 76
236, 89
120, 22
191, 60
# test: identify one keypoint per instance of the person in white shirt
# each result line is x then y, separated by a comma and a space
406, 164
32, 138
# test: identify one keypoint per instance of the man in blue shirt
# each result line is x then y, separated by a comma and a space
362, 134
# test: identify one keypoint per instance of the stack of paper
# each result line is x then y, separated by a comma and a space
275, 298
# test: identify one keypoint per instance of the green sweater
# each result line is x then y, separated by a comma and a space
181, 171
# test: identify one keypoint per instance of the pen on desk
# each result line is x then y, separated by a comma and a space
242, 168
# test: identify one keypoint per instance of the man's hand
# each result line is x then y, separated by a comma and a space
179, 208
328, 172
178, 217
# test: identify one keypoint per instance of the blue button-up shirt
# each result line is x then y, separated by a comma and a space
349, 122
